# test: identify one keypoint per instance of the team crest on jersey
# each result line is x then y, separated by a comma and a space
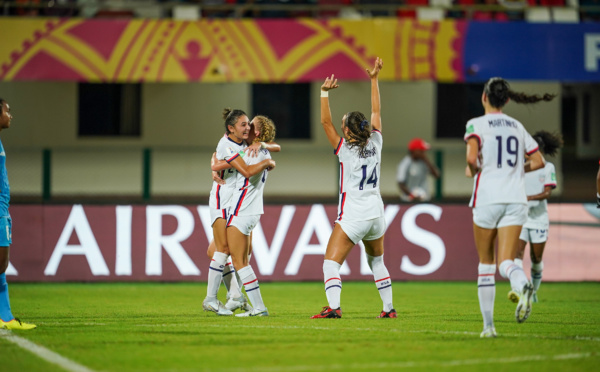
230, 151
542, 178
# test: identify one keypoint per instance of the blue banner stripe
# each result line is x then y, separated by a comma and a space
387, 286
331, 286
250, 290
486, 285
212, 268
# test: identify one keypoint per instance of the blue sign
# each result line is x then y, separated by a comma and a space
532, 51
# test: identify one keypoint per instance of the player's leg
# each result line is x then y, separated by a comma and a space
338, 248
381, 276
486, 281
523, 240
7, 320
537, 265
215, 272
238, 236
508, 239
373, 241
5, 312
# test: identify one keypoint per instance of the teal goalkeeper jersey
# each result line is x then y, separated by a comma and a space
4, 187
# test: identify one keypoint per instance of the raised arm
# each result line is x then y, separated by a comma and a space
375, 100
332, 135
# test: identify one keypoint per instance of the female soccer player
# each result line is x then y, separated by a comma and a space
538, 187
230, 149
235, 298
244, 214
496, 146
360, 207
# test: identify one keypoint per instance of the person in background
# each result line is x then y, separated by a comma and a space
7, 320
413, 171
538, 186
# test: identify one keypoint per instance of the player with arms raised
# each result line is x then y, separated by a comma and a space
360, 211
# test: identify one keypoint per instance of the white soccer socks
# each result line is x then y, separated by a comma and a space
486, 291
215, 274
536, 274
516, 275
518, 262
250, 282
333, 283
382, 281
231, 281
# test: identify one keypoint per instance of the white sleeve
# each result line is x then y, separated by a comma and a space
472, 131
377, 137
530, 145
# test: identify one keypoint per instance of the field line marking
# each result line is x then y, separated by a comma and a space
42, 352
412, 364
545, 337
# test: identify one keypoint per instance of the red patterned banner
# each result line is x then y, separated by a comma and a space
165, 50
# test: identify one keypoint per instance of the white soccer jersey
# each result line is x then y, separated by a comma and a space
220, 195
535, 183
360, 198
503, 141
247, 199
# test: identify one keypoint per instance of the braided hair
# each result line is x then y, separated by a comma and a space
359, 131
267, 129
498, 92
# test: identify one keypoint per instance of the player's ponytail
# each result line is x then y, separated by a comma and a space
359, 131
231, 117
549, 143
498, 92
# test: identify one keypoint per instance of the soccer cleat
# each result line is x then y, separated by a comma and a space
253, 312
391, 314
514, 296
16, 324
534, 298
238, 303
489, 332
524, 306
328, 312
216, 307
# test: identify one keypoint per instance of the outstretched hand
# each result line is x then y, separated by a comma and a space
373, 73
330, 83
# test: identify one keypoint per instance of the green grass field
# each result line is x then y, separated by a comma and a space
161, 327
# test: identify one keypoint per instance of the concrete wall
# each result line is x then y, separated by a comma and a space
182, 124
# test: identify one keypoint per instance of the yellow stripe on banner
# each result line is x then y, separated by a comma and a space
224, 50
